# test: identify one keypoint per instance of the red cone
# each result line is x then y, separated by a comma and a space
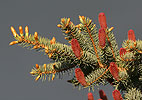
102, 37
114, 70
90, 96
102, 95
76, 47
131, 35
80, 76
116, 95
122, 51
102, 20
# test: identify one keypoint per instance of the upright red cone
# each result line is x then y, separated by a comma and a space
122, 52
102, 95
131, 35
80, 76
114, 70
102, 20
76, 48
90, 96
102, 38
116, 95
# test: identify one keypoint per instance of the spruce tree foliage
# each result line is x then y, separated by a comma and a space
94, 55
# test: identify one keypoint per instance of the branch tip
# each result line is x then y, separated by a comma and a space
36, 36
53, 40
14, 31
59, 25
27, 31
37, 66
13, 42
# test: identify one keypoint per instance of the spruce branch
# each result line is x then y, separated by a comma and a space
72, 31
133, 94
54, 69
93, 55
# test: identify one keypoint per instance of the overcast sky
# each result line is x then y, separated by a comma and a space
43, 16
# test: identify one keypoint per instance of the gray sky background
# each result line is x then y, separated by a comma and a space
42, 16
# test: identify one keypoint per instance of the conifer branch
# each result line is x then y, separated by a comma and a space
72, 32
84, 22
133, 94
93, 54
53, 69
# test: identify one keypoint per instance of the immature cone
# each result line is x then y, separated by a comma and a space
38, 77
13, 42
36, 47
59, 25
102, 95
102, 38
53, 40
68, 21
26, 31
80, 76
32, 73
76, 48
37, 66
45, 69
63, 20
114, 70
21, 31
131, 35
90, 96
110, 29
53, 76
36, 36
14, 32
122, 52
82, 19
102, 20
116, 95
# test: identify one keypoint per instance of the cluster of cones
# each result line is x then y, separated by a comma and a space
81, 79
131, 36
116, 95
102, 37
114, 70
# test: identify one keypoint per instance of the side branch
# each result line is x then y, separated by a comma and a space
110, 46
82, 18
